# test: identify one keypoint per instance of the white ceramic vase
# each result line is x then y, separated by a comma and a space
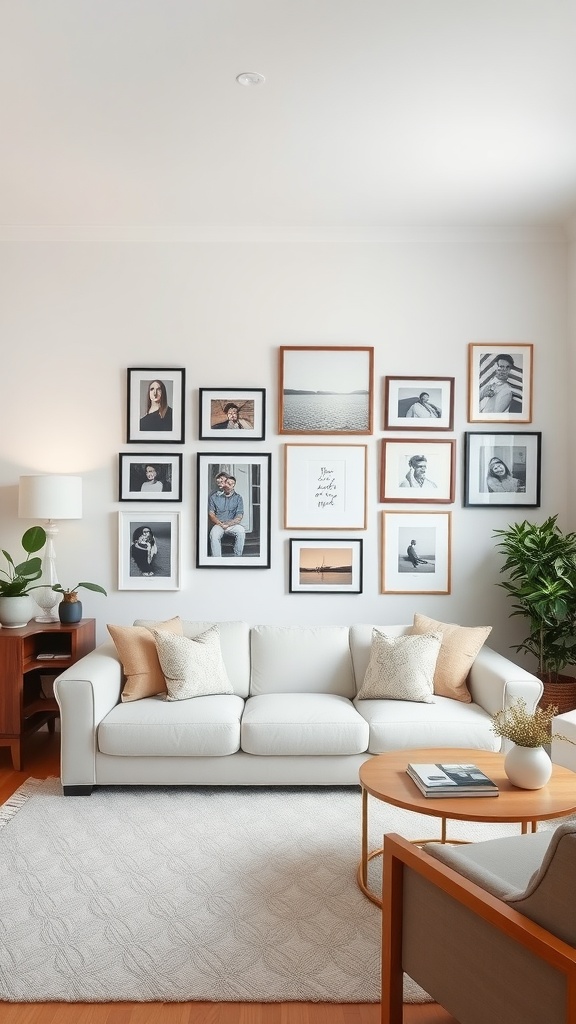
16, 611
528, 767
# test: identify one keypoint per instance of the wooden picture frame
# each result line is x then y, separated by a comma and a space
326, 390
419, 403
416, 553
325, 486
319, 566
502, 469
149, 550
155, 405
232, 414
419, 470
500, 382
150, 476
247, 544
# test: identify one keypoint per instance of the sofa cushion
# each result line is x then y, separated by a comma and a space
137, 652
401, 667
297, 659
302, 723
192, 667
154, 727
399, 724
460, 645
234, 644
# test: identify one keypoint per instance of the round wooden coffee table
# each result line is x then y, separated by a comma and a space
384, 777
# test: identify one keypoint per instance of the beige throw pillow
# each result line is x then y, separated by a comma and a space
460, 645
401, 668
137, 652
193, 667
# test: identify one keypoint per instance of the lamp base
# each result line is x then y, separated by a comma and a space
48, 618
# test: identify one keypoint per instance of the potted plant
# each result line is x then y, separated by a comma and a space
16, 582
541, 564
527, 764
70, 608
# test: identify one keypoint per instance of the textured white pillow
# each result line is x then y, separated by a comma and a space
401, 668
192, 667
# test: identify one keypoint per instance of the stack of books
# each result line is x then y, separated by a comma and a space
451, 780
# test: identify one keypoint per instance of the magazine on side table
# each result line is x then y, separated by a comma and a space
451, 780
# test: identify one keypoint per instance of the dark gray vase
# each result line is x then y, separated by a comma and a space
70, 611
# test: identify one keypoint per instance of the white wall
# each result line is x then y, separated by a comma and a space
77, 309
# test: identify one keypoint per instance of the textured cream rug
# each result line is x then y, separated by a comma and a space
172, 895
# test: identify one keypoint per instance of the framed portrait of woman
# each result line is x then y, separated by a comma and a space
149, 550
150, 477
155, 405
502, 469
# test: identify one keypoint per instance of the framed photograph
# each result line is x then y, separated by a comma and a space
233, 517
500, 383
418, 403
325, 567
325, 487
417, 471
416, 552
327, 390
241, 412
150, 477
149, 550
155, 405
502, 469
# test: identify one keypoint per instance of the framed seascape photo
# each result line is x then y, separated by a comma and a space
325, 487
417, 471
240, 412
150, 477
327, 390
155, 405
233, 516
325, 567
502, 469
416, 552
500, 383
149, 550
419, 403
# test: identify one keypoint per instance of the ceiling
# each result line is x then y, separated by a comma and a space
373, 113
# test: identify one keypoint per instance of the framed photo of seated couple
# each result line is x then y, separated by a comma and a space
416, 553
233, 513
418, 403
502, 469
417, 471
239, 412
500, 376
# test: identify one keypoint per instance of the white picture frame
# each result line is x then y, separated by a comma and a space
429, 535
154, 565
325, 486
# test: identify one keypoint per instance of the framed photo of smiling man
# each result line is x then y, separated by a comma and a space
500, 383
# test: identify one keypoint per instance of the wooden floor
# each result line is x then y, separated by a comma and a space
41, 759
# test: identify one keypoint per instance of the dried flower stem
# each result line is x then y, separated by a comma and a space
525, 728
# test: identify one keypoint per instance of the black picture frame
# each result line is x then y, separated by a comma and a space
137, 483
216, 407
164, 425
485, 484
325, 566
252, 483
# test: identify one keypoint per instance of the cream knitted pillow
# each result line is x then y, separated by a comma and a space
192, 667
401, 668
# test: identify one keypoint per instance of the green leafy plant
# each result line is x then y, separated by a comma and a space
541, 564
526, 728
71, 594
16, 580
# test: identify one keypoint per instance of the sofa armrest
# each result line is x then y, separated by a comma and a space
86, 692
495, 682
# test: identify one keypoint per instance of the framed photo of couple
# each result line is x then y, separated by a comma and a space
500, 382
416, 553
502, 469
418, 403
233, 513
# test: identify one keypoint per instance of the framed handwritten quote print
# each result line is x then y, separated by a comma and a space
325, 486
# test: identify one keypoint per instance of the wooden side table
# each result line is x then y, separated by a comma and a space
26, 653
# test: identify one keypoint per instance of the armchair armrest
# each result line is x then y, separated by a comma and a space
475, 955
85, 692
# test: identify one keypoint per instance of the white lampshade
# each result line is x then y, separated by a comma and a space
50, 497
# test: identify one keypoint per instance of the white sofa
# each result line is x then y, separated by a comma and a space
293, 719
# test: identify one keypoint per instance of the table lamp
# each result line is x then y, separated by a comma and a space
49, 497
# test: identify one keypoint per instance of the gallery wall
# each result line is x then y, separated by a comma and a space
77, 309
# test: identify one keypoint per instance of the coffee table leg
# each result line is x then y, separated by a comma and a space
364, 860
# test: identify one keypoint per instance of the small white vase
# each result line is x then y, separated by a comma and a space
528, 767
16, 611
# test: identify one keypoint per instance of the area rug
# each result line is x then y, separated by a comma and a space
157, 894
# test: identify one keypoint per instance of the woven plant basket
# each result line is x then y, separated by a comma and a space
562, 693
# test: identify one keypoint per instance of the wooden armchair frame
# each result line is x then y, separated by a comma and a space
422, 900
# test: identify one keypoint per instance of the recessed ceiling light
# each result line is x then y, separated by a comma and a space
250, 78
